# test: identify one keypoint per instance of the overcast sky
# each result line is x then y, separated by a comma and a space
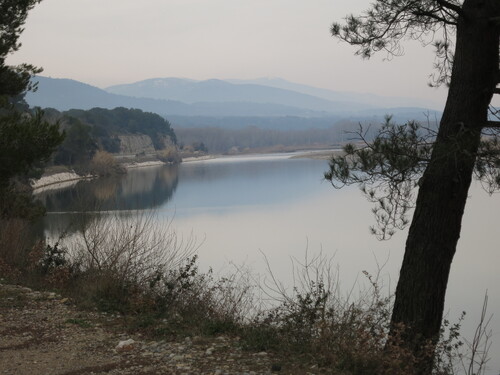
107, 42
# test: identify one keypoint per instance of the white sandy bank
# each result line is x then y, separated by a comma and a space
57, 178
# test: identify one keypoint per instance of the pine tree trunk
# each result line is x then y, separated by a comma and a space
436, 224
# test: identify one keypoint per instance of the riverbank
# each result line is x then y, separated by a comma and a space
58, 179
319, 154
61, 179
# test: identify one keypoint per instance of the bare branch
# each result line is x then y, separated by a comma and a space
493, 124
435, 17
450, 6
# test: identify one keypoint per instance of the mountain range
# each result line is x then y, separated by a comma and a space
199, 103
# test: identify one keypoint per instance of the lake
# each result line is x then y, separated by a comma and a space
246, 209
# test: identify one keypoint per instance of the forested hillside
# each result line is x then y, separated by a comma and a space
122, 131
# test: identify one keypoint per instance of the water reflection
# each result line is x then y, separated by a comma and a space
229, 184
139, 189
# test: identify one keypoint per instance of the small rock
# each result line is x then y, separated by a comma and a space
126, 345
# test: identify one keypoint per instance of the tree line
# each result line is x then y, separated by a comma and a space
220, 140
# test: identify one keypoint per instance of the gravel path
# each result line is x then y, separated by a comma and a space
42, 333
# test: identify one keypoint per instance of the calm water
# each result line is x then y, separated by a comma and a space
245, 208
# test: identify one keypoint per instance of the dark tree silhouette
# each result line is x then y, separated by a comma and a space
14, 80
466, 37
25, 139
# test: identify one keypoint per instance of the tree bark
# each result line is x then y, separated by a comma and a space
436, 224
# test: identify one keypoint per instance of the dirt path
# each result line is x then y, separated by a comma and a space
42, 333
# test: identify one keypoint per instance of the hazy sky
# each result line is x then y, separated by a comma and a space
106, 42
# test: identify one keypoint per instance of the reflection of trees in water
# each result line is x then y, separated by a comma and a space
65, 224
139, 180
140, 189
105, 189
236, 168
137, 190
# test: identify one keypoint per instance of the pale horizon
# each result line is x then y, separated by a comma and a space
125, 41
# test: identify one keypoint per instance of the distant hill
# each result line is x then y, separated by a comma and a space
225, 104
364, 100
263, 90
65, 94
218, 91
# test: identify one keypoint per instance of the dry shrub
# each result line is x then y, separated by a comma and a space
117, 258
170, 155
133, 247
317, 320
215, 304
104, 164
350, 331
137, 265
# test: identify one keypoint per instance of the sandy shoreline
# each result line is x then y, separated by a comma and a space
57, 179
200, 158
152, 163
